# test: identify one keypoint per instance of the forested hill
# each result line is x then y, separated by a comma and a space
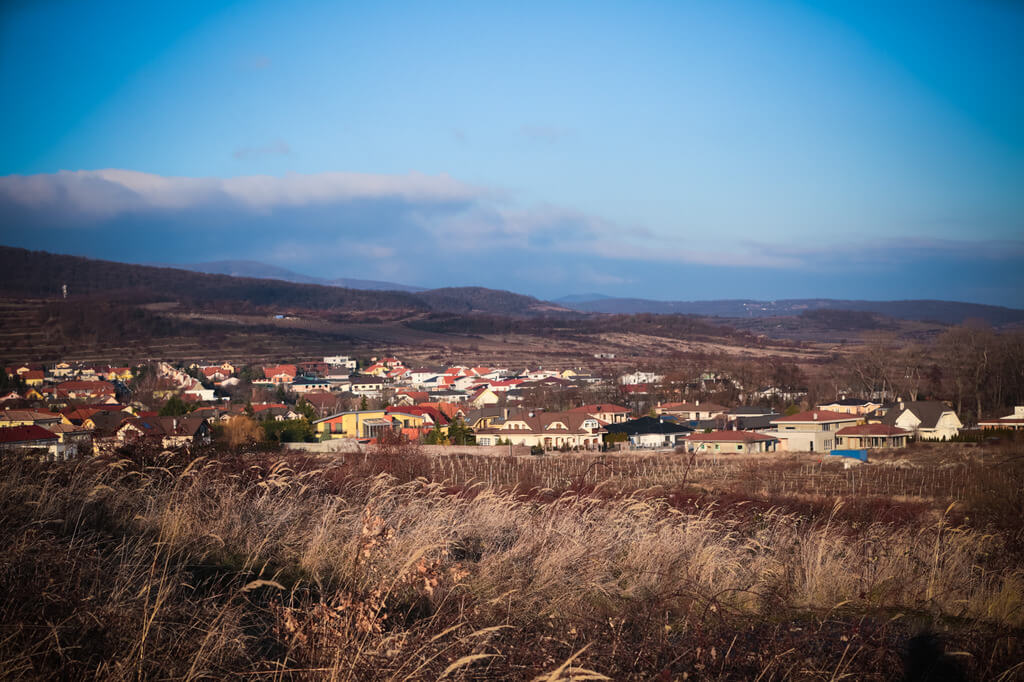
38, 274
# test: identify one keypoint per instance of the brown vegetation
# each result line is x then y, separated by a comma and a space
156, 564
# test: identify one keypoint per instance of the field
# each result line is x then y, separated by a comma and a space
264, 565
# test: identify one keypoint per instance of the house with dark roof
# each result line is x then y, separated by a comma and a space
925, 419
749, 418
170, 432
651, 432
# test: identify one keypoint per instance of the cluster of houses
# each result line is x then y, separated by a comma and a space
471, 386
89, 409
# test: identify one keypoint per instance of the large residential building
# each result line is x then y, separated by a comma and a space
549, 430
811, 431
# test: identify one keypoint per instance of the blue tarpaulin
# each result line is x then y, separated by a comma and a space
862, 455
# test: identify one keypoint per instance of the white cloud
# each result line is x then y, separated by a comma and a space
100, 194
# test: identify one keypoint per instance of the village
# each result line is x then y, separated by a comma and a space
340, 403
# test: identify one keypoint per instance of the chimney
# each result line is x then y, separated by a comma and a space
696, 403
902, 405
815, 416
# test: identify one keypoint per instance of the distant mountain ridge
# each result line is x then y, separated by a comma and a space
25, 273
42, 274
946, 312
255, 269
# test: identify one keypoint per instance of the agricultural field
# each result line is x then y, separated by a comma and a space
398, 565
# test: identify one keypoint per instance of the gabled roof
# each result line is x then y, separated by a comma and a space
647, 425
106, 423
272, 371
449, 410
25, 434
541, 422
28, 415
86, 386
928, 411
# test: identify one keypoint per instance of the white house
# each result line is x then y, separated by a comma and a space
640, 378
340, 361
926, 419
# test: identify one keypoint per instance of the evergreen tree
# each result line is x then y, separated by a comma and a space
174, 407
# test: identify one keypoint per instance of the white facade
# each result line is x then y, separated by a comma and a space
640, 378
947, 426
340, 361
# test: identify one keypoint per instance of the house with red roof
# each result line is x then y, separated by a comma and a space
280, 374
34, 377
730, 442
869, 436
1011, 422
29, 437
811, 431
407, 396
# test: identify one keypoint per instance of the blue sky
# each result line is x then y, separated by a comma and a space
671, 150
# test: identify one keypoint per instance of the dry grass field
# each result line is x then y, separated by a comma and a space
221, 565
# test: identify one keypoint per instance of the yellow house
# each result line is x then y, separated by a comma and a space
122, 373
567, 374
358, 424
34, 377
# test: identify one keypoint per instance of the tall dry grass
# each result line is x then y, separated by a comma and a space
159, 565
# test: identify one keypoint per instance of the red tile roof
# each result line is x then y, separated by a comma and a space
25, 434
272, 371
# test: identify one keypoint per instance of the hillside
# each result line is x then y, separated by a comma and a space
40, 274
248, 268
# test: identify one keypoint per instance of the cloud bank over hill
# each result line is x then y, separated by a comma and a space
435, 230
